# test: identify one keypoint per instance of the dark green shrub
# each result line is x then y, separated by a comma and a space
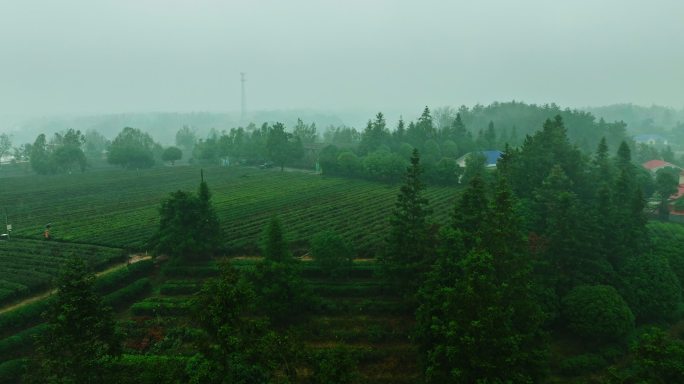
337, 365
597, 312
582, 364
658, 359
19, 344
331, 253
110, 282
129, 293
651, 288
160, 308
22, 318
280, 292
137, 369
11, 371
179, 288
185, 271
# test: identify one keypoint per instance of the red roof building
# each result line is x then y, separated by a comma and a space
654, 165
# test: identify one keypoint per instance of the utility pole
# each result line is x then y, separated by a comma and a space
242, 105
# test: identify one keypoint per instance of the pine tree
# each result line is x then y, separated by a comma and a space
425, 125
409, 244
470, 212
188, 225
274, 245
80, 342
209, 227
479, 320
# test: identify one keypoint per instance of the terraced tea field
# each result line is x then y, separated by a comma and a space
29, 266
118, 208
102, 215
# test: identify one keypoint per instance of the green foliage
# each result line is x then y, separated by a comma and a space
478, 301
337, 365
375, 135
20, 343
79, 341
239, 349
280, 292
132, 149
186, 138
481, 337
126, 295
445, 172
532, 162
305, 132
63, 154
93, 211
5, 144
597, 313
22, 318
188, 226
666, 183
283, 147
172, 154
149, 369
470, 212
112, 281
331, 253
11, 371
651, 288
349, 164
658, 359
274, 246
583, 364
383, 165
474, 167
666, 239
327, 159
410, 243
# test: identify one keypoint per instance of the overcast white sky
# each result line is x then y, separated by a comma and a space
93, 56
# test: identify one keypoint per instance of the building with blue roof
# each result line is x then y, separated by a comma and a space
491, 157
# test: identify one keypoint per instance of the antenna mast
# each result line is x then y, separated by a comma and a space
242, 105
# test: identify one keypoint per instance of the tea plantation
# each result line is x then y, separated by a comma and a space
104, 215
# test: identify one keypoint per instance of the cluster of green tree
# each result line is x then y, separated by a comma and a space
133, 149
644, 152
252, 145
188, 226
555, 245
71, 150
62, 154
381, 153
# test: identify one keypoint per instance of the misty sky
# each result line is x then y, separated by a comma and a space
86, 56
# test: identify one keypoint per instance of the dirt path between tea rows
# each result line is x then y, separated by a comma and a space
41, 296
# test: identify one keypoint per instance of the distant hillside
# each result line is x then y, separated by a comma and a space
641, 119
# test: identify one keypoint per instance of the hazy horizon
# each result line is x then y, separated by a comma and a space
80, 57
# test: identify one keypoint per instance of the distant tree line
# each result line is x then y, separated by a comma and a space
377, 152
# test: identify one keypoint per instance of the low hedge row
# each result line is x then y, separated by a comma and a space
11, 371
19, 344
22, 318
363, 307
184, 288
186, 271
124, 276
160, 308
144, 369
128, 294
